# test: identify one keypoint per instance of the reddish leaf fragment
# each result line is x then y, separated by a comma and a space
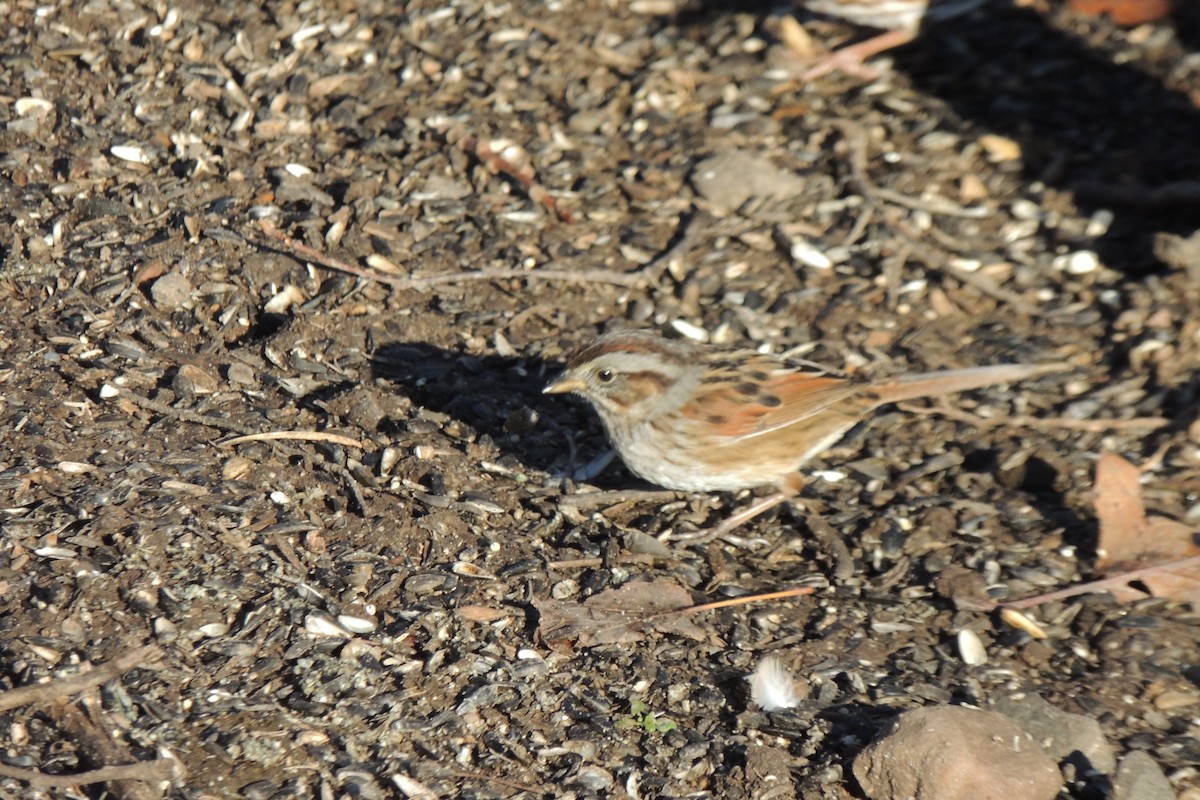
1156, 552
1120, 511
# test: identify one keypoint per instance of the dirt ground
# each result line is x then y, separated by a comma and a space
355, 612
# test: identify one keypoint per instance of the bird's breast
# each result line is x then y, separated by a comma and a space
891, 14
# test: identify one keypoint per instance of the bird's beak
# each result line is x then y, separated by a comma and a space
563, 384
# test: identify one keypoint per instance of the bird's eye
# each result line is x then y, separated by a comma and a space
605, 376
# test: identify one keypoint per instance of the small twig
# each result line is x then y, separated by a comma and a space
523, 174
797, 591
592, 563
856, 139
479, 776
160, 769
61, 688
94, 742
860, 225
745, 599
352, 486
1100, 585
831, 541
306, 436
96, 737
1043, 423
934, 205
687, 238
181, 414
591, 499
616, 617
1156, 458
249, 433
306, 253
288, 552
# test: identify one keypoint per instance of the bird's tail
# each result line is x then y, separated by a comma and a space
950, 381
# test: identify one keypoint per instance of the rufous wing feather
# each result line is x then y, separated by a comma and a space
745, 409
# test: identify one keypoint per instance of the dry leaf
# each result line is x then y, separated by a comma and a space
623, 615
1160, 551
1119, 508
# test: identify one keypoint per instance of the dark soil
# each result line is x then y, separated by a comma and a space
1004, 192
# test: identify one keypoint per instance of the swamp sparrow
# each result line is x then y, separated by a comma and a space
699, 419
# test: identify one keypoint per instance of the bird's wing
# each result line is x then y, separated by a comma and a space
762, 395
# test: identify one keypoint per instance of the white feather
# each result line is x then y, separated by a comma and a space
772, 687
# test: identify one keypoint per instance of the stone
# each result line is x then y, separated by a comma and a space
956, 753
1062, 735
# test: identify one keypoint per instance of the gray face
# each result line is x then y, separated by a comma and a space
620, 383
629, 376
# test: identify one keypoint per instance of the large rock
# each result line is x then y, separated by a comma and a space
955, 753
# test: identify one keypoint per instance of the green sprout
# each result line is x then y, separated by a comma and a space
640, 716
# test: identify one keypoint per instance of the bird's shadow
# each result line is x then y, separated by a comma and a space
1106, 135
498, 397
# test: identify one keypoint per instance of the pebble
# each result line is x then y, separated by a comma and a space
55, 552
191, 379
1026, 209
808, 254
171, 291
687, 329
1140, 778
593, 778
469, 570
284, 299
1059, 733
33, 106
971, 649
1099, 223
258, 790
1080, 262
1169, 700
236, 468
242, 374
126, 348
956, 753
1022, 622
164, 629
321, 625
357, 624
411, 787
971, 189
130, 152
1000, 148
424, 583
564, 589
728, 180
